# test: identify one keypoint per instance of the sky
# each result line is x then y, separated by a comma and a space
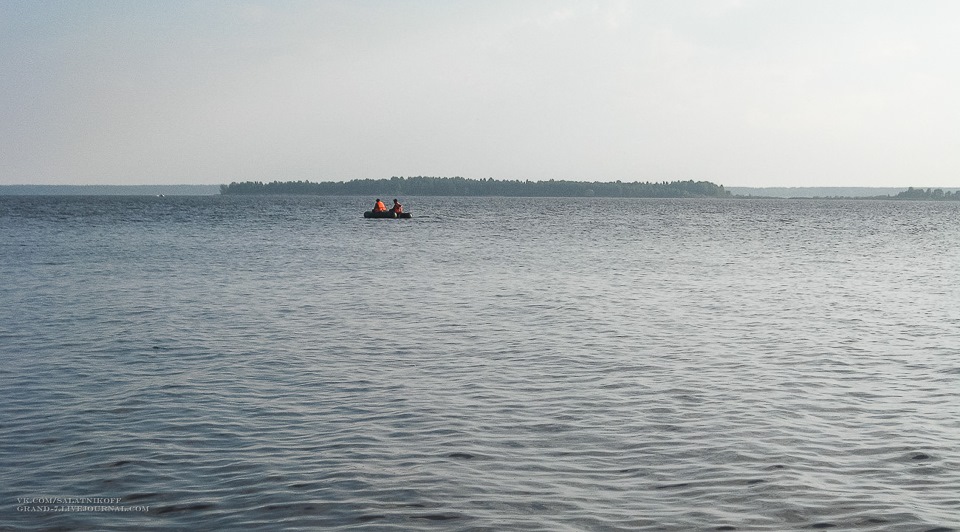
738, 92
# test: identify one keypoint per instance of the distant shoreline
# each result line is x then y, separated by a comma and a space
109, 190
850, 193
465, 187
859, 193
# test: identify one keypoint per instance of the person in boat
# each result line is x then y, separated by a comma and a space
397, 208
379, 206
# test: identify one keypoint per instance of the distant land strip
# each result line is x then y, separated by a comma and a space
108, 190
469, 187
860, 193
459, 186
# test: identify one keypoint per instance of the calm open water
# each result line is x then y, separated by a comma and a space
272, 363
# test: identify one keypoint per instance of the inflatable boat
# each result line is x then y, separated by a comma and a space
386, 214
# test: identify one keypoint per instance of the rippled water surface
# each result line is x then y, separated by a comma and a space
492, 364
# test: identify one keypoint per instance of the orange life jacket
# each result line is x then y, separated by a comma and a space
397, 208
379, 207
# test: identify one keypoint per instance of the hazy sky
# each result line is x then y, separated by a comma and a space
741, 93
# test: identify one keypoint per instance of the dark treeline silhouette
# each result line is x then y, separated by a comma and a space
459, 186
936, 194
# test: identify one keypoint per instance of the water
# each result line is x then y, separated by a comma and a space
492, 364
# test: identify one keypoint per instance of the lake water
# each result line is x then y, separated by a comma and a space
282, 363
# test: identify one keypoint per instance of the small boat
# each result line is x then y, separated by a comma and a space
386, 214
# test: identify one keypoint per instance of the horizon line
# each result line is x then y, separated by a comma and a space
538, 181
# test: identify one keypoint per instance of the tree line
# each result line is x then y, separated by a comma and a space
936, 194
459, 186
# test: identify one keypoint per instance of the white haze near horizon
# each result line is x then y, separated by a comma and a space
741, 93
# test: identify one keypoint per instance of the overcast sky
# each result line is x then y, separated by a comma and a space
741, 93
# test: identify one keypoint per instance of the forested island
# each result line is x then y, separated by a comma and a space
936, 194
459, 186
